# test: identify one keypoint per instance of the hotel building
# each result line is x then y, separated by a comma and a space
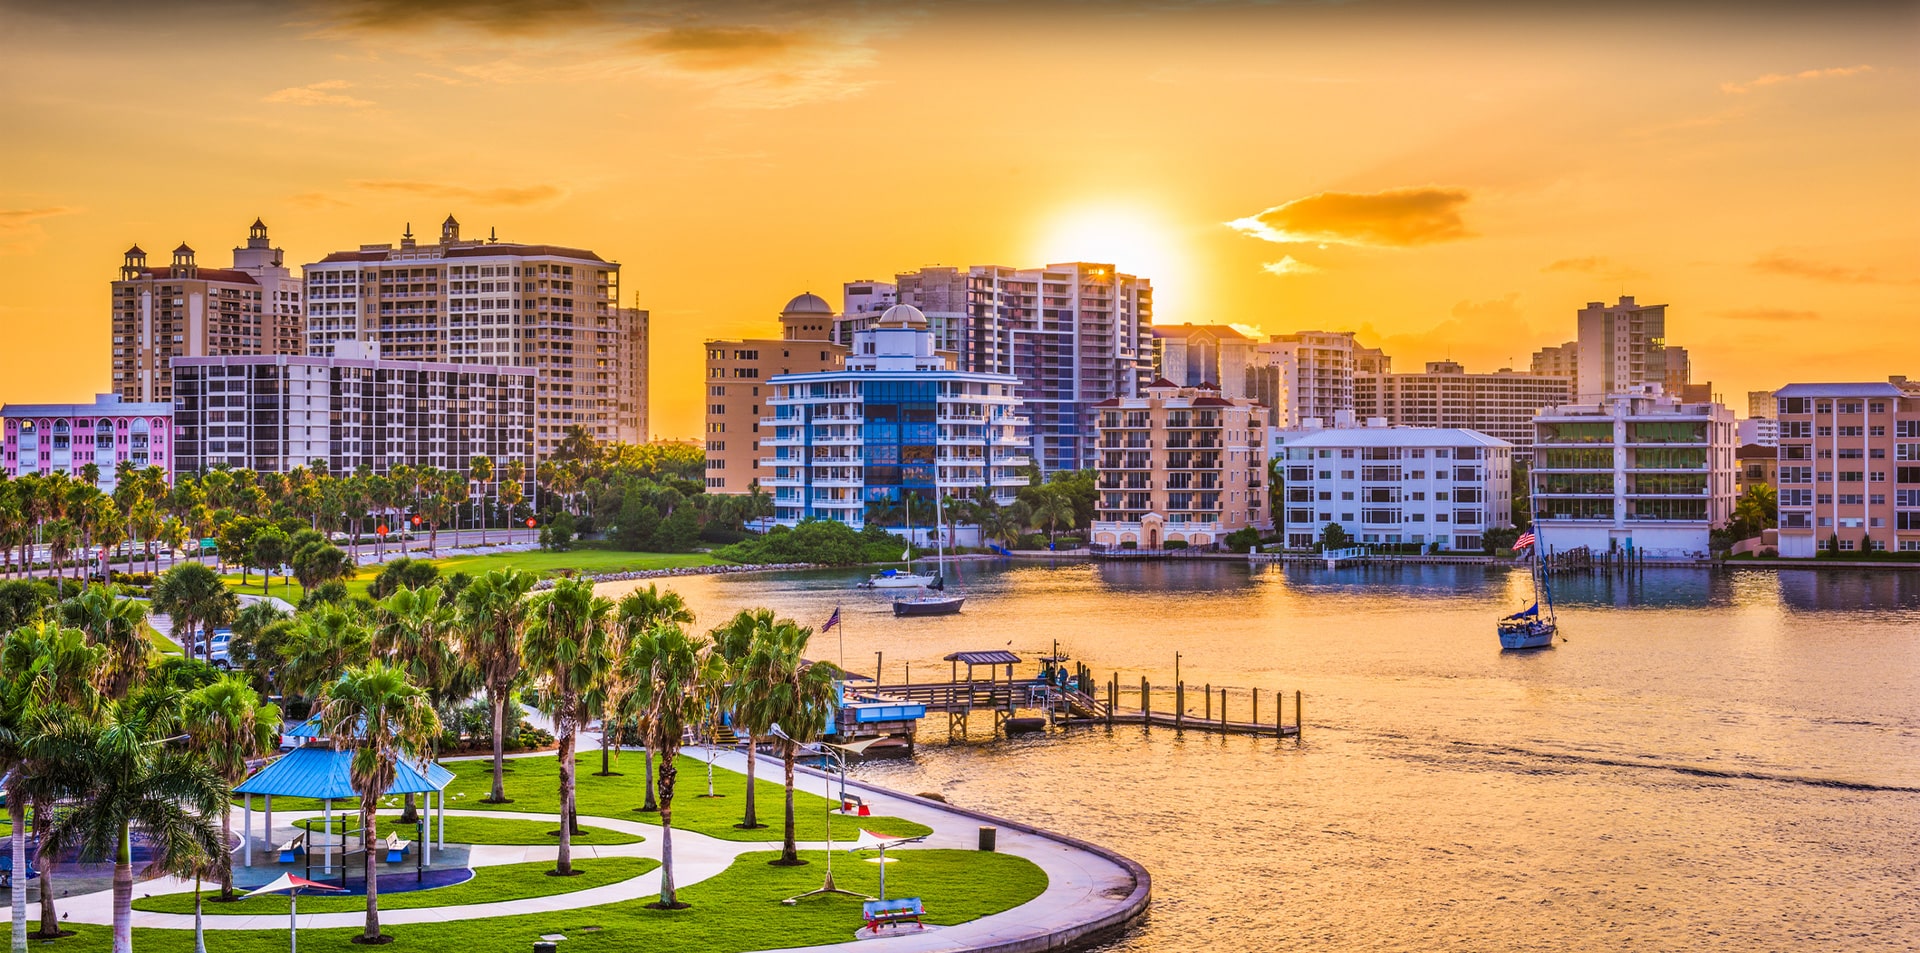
1849, 459
895, 423
1501, 404
271, 413
1640, 471
487, 302
1193, 354
1179, 465
184, 310
49, 438
1422, 486
739, 388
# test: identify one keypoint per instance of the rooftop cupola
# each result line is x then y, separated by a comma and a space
183, 266
257, 234
449, 231
136, 262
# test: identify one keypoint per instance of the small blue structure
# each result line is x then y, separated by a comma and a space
315, 770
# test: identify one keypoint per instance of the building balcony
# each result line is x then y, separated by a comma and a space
1009, 479
851, 482
838, 440
779, 441
782, 481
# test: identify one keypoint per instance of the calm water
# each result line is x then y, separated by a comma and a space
1712, 762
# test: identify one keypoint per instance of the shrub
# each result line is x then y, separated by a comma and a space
1129, 544
1175, 544
402, 573
826, 542
1242, 540
557, 532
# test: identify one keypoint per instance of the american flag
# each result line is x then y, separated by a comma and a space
832, 621
1525, 540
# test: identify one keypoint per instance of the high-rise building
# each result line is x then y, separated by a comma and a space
1679, 376
1307, 375
272, 413
184, 310
1193, 354
865, 297
1849, 475
1561, 360
1760, 404
894, 428
621, 354
1758, 430
1501, 404
1397, 486
1622, 346
49, 438
738, 389
483, 301
1179, 465
1641, 471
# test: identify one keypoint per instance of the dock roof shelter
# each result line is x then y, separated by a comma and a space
320, 773
992, 659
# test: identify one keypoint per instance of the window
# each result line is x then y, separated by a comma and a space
1877, 407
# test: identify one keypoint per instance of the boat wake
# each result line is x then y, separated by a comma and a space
1692, 770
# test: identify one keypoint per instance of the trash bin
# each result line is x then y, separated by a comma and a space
987, 835
544, 946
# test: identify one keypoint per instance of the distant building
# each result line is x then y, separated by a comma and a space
271, 413
895, 425
64, 438
1759, 466
1849, 459
1760, 404
1640, 471
1193, 354
1559, 361
865, 297
1179, 464
1501, 404
1622, 346
184, 310
1679, 374
551, 308
1758, 430
739, 389
1420, 486
1307, 375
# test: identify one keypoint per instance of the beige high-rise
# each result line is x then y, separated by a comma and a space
484, 301
737, 390
184, 310
1178, 465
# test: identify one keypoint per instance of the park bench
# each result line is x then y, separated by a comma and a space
397, 848
886, 913
6, 870
291, 850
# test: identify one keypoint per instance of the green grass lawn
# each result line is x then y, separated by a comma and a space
534, 785
737, 911
489, 885
486, 830
589, 561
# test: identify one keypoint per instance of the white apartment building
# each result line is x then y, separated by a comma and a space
1640, 471
1500, 404
1307, 375
1394, 485
1758, 430
483, 301
896, 426
1622, 346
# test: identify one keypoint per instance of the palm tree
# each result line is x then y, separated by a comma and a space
325, 641
513, 485
800, 703
16, 717
414, 629
639, 611
231, 727
566, 648
119, 773
146, 523
62, 535
1053, 509
197, 600
665, 665
480, 471
57, 666
114, 625
743, 638
375, 711
493, 620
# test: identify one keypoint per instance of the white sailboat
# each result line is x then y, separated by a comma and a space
903, 578
933, 600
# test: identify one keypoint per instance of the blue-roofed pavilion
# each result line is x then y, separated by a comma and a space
320, 773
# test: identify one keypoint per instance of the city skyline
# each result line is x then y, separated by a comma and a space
1446, 189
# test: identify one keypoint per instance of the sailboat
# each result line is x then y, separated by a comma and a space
931, 600
1532, 627
904, 578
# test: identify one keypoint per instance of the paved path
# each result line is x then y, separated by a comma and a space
1088, 889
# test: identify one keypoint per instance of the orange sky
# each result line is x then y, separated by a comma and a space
1450, 184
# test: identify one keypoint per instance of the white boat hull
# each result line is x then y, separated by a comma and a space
901, 581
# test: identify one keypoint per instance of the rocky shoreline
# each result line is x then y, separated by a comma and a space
716, 570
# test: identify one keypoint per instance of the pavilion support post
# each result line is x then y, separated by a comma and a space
426, 832
443, 818
326, 841
246, 832
266, 831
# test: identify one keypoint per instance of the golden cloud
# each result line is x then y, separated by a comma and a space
718, 47
1289, 265
1395, 218
1775, 79
1820, 271
505, 195
20, 227
1780, 315
317, 94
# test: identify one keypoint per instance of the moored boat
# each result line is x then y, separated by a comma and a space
928, 604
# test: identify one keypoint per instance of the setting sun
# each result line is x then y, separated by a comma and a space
1137, 241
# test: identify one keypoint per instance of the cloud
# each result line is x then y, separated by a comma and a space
1289, 265
1395, 218
1778, 315
505, 195
1775, 79
1777, 264
1479, 334
317, 94
20, 227
1597, 265
501, 17
316, 200
709, 48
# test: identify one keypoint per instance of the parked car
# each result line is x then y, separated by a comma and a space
217, 650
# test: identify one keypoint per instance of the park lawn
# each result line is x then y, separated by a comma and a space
489, 885
487, 830
735, 912
534, 785
282, 587
587, 561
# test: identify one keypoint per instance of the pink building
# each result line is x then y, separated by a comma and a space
1849, 459
45, 438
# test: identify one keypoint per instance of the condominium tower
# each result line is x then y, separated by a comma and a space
1622, 346
739, 389
551, 308
184, 310
1307, 375
1179, 465
1436, 487
1193, 354
1501, 404
1849, 459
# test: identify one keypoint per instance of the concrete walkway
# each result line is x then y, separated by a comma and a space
1089, 890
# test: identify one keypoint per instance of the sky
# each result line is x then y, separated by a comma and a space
1450, 180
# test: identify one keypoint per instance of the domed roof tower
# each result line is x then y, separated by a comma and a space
808, 317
